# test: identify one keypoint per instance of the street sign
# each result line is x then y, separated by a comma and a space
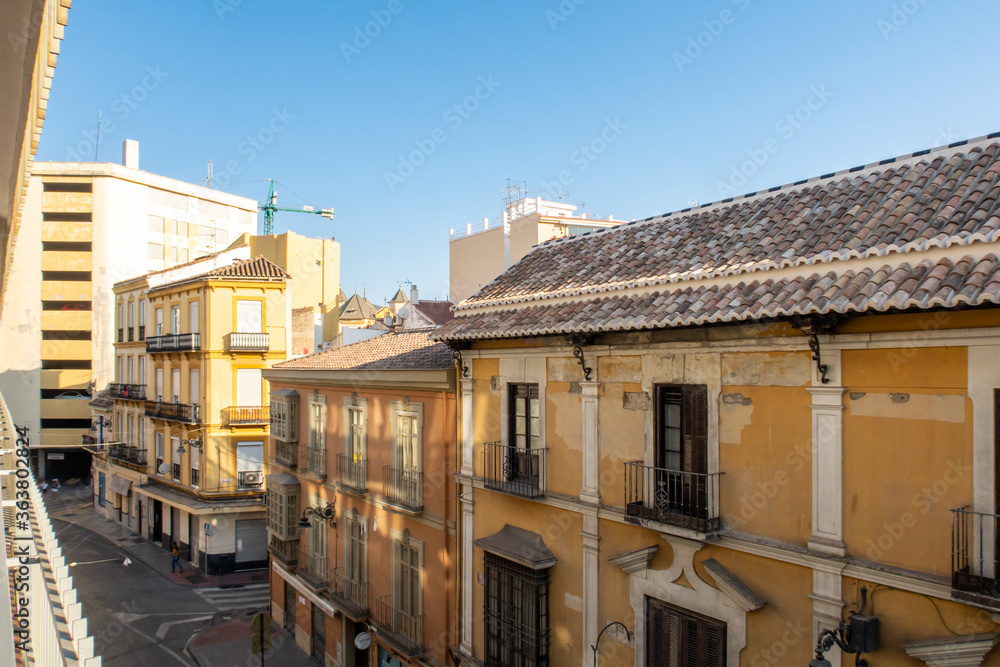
260, 640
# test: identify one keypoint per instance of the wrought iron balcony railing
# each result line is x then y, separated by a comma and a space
350, 594
240, 341
403, 487
353, 473
129, 392
285, 551
315, 461
246, 415
975, 557
247, 480
513, 470
286, 453
174, 343
121, 335
178, 412
312, 569
128, 454
672, 497
402, 629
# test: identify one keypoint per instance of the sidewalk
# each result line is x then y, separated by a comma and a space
229, 644
74, 504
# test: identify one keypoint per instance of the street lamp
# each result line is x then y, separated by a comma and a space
194, 442
100, 423
327, 513
858, 634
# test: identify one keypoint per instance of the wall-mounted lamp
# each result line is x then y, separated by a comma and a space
327, 514
858, 634
194, 442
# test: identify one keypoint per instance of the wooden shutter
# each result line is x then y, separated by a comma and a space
678, 639
695, 419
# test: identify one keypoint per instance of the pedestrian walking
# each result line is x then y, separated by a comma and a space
177, 558
54, 487
45, 488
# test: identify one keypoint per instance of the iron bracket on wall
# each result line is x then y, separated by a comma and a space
461, 366
812, 327
820, 368
578, 341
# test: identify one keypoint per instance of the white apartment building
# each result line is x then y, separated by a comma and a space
85, 227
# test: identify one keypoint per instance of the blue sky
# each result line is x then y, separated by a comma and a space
408, 117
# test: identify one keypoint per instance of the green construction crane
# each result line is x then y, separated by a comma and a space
270, 206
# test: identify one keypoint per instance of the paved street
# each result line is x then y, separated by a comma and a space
140, 614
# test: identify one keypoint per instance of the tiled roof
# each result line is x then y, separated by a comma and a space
400, 296
395, 350
438, 312
916, 232
257, 268
357, 308
103, 400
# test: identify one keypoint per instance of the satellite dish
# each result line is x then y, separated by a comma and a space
162, 469
404, 312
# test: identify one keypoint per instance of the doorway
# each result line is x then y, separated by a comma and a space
157, 535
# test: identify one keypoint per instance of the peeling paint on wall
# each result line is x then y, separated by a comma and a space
632, 400
734, 416
787, 369
946, 408
736, 399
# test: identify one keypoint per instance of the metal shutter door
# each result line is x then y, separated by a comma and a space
251, 540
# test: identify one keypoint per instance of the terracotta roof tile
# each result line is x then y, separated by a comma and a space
858, 240
396, 350
256, 268
438, 312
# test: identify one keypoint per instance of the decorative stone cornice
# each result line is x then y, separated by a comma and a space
635, 562
966, 651
742, 595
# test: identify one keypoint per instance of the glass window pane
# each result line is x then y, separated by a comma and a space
673, 439
519, 406
673, 416
534, 407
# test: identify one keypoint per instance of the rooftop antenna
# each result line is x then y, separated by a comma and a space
564, 197
97, 142
208, 176
513, 191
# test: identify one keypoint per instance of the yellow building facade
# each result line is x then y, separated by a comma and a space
191, 418
736, 435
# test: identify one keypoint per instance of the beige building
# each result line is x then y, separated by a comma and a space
314, 265
85, 227
480, 253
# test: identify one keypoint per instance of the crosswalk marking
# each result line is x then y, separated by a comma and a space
247, 597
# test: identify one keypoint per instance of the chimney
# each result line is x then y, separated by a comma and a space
413, 294
130, 153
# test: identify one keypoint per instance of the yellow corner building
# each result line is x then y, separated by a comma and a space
190, 418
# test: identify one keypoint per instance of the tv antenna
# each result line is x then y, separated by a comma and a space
513, 191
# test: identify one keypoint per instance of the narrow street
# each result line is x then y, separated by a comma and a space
137, 615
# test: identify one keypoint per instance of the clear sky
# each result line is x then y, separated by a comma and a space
408, 116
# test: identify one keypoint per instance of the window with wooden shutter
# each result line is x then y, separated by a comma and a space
679, 638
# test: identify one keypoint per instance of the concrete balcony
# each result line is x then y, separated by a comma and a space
246, 415
241, 341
